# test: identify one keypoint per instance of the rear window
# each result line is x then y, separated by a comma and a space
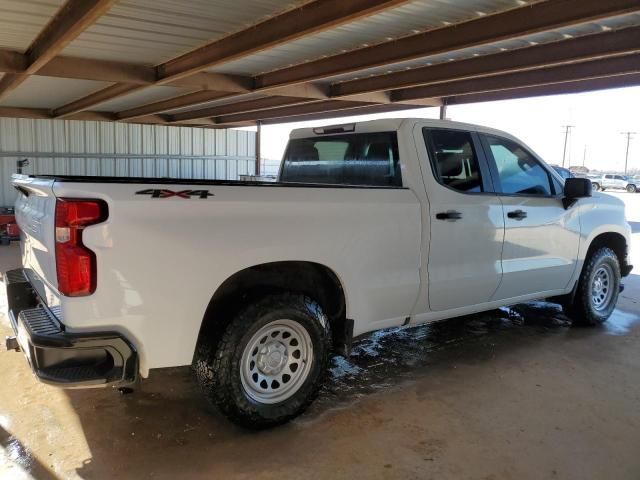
369, 159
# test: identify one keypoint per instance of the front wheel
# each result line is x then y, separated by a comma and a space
598, 289
631, 188
596, 186
270, 363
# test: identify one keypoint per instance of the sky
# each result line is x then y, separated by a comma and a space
598, 118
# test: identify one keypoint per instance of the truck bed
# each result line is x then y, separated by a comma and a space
160, 259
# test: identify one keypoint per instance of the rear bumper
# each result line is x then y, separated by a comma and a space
63, 358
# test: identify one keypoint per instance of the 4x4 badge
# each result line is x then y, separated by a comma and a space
164, 193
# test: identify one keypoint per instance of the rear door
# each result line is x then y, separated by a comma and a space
465, 218
541, 236
608, 181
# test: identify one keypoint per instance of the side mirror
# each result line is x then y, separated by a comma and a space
575, 188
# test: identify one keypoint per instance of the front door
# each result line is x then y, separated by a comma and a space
465, 218
621, 183
541, 236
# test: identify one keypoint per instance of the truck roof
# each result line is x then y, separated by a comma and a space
390, 124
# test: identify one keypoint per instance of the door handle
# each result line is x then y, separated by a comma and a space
450, 215
517, 214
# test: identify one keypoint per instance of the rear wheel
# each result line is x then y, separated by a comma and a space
597, 290
631, 188
270, 363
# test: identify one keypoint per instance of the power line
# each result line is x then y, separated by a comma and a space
629, 136
567, 130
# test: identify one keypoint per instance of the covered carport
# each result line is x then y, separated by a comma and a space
158, 87
222, 65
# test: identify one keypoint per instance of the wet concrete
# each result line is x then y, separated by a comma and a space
511, 394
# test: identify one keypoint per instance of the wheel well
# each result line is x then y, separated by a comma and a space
308, 278
615, 242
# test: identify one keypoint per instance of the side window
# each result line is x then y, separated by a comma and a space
518, 171
608, 176
453, 159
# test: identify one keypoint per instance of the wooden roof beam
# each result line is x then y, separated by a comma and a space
514, 23
120, 72
579, 86
296, 93
241, 107
607, 67
550, 54
69, 22
189, 99
549, 13
94, 99
44, 113
528, 58
335, 114
307, 19
312, 17
292, 111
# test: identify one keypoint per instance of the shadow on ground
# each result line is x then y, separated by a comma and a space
22, 458
167, 418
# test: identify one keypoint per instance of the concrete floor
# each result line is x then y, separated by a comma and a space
513, 394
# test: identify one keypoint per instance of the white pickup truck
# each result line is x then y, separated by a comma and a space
610, 181
370, 225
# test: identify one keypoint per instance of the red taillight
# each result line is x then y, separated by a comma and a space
75, 263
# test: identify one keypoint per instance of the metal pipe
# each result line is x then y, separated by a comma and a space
443, 109
258, 135
118, 155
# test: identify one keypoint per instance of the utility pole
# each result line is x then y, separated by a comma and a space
584, 155
567, 130
629, 136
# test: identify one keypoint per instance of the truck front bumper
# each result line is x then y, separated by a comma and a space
59, 357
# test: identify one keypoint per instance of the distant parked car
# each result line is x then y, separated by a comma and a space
614, 182
564, 172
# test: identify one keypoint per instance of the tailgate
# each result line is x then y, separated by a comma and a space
35, 214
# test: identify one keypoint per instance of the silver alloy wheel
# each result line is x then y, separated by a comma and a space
276, 361
602, 287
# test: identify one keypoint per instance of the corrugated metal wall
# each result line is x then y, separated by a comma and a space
71, 147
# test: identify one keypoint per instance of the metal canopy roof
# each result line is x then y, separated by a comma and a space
218, 64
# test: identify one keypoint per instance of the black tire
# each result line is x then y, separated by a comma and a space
582, 310
218, 370
631, 188
596, 186
5, 241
